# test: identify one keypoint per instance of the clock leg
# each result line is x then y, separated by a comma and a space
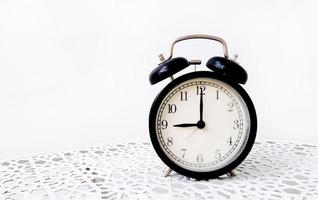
167, 172
231, 173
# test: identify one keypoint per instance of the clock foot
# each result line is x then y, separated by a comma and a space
231, 173
167, 172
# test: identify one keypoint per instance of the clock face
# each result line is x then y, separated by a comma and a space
202, 124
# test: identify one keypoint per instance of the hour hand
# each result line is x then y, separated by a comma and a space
185, 125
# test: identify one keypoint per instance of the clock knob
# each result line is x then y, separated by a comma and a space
161, 57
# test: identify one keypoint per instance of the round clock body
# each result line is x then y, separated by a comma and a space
202, 125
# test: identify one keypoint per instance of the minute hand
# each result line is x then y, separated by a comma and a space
201, 106
185, 125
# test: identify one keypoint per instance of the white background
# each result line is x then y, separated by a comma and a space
75, 73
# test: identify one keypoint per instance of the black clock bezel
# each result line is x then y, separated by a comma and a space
202, 175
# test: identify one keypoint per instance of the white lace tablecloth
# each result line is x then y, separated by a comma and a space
133, 171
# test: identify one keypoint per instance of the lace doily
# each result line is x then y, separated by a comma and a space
133, 171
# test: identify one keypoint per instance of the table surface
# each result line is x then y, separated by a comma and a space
273, 170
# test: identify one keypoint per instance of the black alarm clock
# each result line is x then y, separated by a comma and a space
203, 123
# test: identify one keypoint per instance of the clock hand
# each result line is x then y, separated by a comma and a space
200, 124
201, 106
186, 125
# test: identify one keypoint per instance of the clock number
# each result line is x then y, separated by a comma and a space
217, 153
236, 124
169, 141
183, 152
200, 89
184, 96
199, 158
217, 95
164, 124
230, 141
230, 105
172, 108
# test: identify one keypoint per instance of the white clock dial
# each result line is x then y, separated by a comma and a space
226, 129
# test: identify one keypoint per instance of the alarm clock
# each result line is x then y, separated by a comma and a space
203, 123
